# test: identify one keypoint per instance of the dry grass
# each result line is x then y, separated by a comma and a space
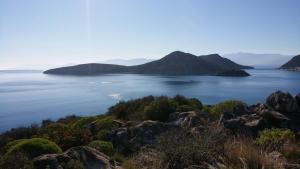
292, 152
145, 159
243, 153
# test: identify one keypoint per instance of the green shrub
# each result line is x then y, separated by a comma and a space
196, 103
274, 138
103, 134
103, 146
225, 107
18, 160
104, 123
84, 121
33, 147
66, 136
118, 157
12, 143
153, 108
130, 110
69, 119
207, 108
18, 133
159, 110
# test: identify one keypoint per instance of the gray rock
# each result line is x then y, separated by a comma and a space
189, 120
282, 102
139, 135
90, 159
147, 132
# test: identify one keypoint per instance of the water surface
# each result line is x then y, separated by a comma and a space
29, 97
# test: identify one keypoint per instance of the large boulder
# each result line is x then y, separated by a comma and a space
147, 132
88, 157
189, 120
283, 102
134, 137
248, 124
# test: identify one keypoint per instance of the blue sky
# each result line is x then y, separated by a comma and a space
45, 33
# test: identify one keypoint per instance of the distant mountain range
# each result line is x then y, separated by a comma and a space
175, 63
259, 60
128, 62
293, 64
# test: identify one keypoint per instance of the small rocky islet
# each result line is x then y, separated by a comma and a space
129, 131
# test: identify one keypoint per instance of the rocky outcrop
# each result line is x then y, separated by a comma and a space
283, 102
88, 157
281, 110
193, 121
242, 120
138, 135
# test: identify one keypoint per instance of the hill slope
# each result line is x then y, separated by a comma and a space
175, 63
223, 62
293, 64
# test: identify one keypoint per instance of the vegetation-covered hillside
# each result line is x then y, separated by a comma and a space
163, 133
175, 63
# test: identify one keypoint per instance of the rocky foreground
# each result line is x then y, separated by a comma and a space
280, 111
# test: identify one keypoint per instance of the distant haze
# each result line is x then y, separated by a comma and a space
259, 60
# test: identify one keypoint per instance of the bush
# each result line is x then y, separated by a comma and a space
225, 107
118, 157
66, 136
185, 104
18, 133
84, 121
69, 119
105, 122
103, 146
103, 134
179, 149
16, 161
274, 138
33, 147
130, 110
182, 149
153, 108
159, 110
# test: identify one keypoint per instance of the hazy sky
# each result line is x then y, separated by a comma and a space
45, 33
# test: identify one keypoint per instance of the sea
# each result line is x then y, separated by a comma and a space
28, 97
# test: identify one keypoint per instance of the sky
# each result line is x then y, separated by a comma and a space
49, 33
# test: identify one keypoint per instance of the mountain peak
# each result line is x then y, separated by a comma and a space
178, 55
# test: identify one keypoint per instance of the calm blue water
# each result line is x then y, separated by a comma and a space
29, 97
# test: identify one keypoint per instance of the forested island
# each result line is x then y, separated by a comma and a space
163, 133
175, 63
